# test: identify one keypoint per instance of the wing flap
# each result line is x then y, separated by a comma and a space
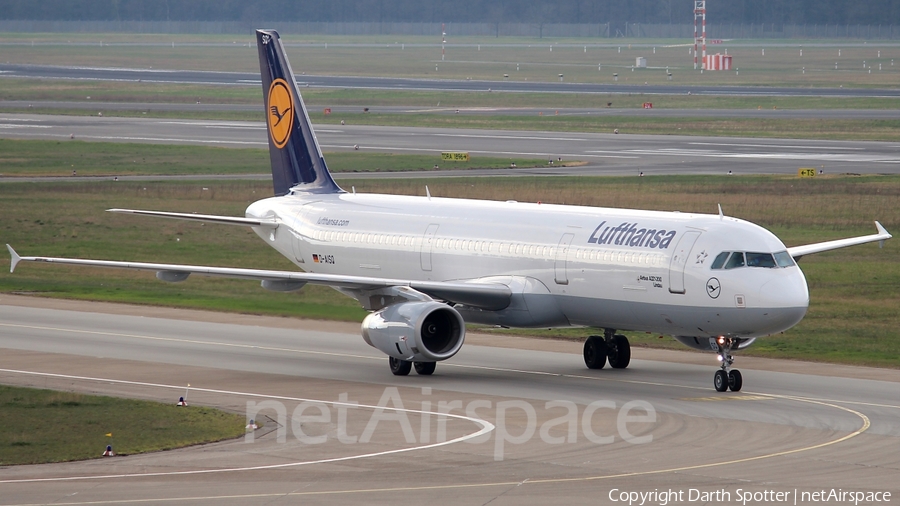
809, 249
206, 218
491, 296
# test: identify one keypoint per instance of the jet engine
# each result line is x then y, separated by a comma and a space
424, 331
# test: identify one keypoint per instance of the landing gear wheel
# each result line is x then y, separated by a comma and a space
400, 367
619, 352
721, 380
595, 352
735, 381
424, 368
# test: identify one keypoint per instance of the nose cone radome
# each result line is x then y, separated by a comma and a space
787, 296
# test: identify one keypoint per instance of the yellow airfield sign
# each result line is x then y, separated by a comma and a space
806, 172
455, 156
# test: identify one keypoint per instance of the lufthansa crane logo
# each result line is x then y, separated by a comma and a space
713, 288
280, 110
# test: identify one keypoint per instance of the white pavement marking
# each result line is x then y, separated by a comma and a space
513, 137
571, 156
771, 146
153, 139
843, 157
8, 125
486, 427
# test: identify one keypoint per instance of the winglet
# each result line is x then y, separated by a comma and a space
14, 259
882, 231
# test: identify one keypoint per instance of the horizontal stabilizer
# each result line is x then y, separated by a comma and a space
206, 218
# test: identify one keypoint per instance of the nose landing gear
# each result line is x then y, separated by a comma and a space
726, 377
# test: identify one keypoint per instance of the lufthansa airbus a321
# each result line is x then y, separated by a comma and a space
425, 266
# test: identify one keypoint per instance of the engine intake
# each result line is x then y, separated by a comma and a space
417, 331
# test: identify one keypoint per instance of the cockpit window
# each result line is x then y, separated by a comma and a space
760, 260
783, 259
720, 260
736, 260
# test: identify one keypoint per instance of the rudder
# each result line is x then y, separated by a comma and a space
297, 162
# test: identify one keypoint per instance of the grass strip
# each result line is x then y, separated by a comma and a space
98, 92
787, 128
37, 158
837, 129
41, 426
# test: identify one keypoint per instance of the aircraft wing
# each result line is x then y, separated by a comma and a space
208, 218
809, 249
490, 296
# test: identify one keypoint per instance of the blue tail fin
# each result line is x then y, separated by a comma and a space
297, 162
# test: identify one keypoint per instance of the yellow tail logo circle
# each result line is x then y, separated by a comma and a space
280, 111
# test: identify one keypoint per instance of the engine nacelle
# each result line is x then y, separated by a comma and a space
425, 331
709, 343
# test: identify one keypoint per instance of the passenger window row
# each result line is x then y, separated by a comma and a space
504, 248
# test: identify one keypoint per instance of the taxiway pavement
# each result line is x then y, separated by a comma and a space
605, 154
795, 428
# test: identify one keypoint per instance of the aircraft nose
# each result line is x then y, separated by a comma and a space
785, 290
787, 295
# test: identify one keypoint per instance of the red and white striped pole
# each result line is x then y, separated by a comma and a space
699, 12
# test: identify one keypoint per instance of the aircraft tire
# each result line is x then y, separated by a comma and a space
425, 368
735, 380
619, 353
595, 352
399, 367
720, 381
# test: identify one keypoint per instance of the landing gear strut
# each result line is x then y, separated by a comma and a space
611, 346
726, 377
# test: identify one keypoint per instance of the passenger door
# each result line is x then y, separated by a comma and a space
427, 247
562, 254
679, 260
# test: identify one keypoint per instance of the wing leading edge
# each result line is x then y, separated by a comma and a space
490, 296
809, 249
206, 218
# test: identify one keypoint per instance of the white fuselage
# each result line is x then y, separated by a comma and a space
610, 268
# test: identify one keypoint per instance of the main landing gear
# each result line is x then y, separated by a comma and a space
403, 367
726, 377
611, 346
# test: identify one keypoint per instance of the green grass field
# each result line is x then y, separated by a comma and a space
34, 159
854, 291
838, 129
318, 98
40, 426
